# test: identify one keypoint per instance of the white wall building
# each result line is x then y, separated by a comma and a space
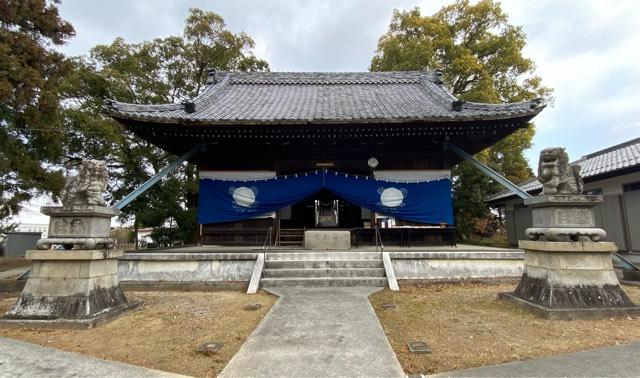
34, 227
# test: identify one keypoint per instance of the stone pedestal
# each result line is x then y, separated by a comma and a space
327, 240
79, 227
76, 288
569, 280
564, 217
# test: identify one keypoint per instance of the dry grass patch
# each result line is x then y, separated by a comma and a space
164, 333
11, 262
467, 326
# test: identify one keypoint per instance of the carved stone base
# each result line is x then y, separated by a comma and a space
98, 300
567, 276
76, 284
570, 313
77, 323
569, 233
564, 218
79, 227
541, 292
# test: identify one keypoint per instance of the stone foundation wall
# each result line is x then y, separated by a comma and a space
138, 268
456, 265
184, 267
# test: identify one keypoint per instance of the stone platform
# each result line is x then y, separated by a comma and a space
206, 267
71, 289
327, 239
570, 280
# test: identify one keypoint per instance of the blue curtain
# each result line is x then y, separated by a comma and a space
424, 202
226, 201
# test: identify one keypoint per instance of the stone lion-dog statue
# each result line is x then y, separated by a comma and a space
555, 173
87, 186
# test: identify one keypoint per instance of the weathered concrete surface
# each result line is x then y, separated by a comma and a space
573, 313
616, 361
323, 269
570, 280
210, 264
389, 272
327, 240
76, 284
563, 246
20, 359
457, 265
85, 226
255, 276
76, 254
317, 332
156, 270
191, 254
6, 274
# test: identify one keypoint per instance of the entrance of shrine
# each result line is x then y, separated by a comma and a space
323, 210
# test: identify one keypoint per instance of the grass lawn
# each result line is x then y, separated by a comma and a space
467, 326
164, 333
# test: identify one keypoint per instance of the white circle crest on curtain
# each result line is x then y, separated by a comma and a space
244, 196
391, 197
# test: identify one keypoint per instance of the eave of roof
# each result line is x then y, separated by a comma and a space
595, 166
263, 98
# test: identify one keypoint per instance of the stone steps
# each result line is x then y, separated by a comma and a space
323, 269
324, 281
324, 272
311, 264
316, 256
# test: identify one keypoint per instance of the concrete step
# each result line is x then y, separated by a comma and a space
333, 255
324, 282
323, 272
311, 264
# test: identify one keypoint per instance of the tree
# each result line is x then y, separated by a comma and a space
480, 54
164, 70
30, 74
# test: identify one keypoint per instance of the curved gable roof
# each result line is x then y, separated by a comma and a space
323, 97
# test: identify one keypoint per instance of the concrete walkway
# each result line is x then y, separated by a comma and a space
20, 359
616, 361
317, 332
13, 272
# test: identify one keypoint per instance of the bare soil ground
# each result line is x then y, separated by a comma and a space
164, 333
467, 326
10, 262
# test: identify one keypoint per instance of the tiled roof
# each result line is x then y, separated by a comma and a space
618, 157
315, 97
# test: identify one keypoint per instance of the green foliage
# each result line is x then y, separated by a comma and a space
30, 75
480, 54
163, 70
165, 236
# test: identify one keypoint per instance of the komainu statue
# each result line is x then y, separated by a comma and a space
87, 186
555, 173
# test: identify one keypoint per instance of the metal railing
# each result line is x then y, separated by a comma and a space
379, 240
268, 239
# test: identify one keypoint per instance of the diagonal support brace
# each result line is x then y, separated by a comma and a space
487, 171
157, 177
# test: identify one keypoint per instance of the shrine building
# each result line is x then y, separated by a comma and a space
280, 153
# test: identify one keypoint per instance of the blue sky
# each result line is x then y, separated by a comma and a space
586, 50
